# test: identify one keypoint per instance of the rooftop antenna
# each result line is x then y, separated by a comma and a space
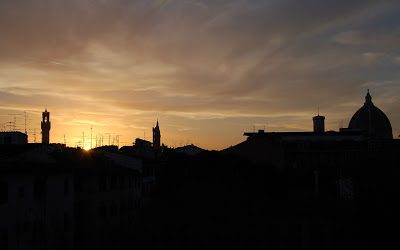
14, 124
10, 125
65, 141
91, 130
83, 139
25, 122
341, 124
117, 139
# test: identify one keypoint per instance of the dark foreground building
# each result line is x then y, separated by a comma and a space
341, 187
53, 197
286, 190
13, 138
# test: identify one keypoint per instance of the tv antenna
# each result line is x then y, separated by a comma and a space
91, 131
117, 139
14, 122
25, 122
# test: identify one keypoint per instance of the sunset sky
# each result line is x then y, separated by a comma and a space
207, 70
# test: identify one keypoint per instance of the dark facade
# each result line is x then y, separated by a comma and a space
337, 184
13, 137
68, 199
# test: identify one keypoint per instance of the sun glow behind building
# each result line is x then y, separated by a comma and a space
208, 70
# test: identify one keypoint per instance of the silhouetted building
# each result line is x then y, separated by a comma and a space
46, 125
142, 143
371, 120
330, 173
141, 148
156, 138
13, 137
68, 199
319, 124
189, 150
367, 125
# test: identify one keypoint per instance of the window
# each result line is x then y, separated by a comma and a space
317, 237
130, 181
102, 183
113, 209
123, 207
130, 204
295, 236
7, 140
113, 182
26, 226
102, 210
273, 236
66, 186
39, 188
78, 211
3, 238
3, 192
66, 222
122, 182
21, 192
78, 184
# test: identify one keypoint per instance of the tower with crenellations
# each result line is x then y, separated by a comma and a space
46, 125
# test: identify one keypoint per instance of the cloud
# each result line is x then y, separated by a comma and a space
195, 63
373, 57
352, 37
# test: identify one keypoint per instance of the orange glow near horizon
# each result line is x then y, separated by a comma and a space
208, 70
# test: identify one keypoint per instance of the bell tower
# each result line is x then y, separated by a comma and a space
46, 127
156, 138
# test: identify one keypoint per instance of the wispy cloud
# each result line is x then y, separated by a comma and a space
207, 69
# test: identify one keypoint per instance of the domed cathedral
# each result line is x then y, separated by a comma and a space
371, 120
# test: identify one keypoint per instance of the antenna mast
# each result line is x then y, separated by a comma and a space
91, 130
25, 122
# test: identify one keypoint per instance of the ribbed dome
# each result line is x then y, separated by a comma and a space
371, 119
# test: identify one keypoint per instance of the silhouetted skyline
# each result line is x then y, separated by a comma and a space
209, 70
